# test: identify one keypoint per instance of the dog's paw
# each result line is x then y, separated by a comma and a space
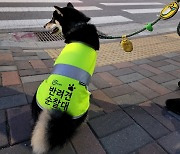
71, 87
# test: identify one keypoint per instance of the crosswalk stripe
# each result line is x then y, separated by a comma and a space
138, 11
40, 1
124, 4
40, 9
37, 23
109, 19
16, 24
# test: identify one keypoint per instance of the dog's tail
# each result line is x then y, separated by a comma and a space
53, 129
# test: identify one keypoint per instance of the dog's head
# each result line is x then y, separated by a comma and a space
64, 19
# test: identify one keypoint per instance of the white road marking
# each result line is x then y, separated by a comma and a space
138, 11
109, 19
40, 9
124, 4
40, 1
37, 23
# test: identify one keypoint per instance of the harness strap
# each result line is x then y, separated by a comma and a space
72, 72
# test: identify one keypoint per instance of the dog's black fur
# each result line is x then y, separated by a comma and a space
61, 126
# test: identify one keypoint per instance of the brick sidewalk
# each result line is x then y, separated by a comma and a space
127, 113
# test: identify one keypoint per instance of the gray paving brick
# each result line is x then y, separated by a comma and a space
7, 63
99, 82
141, 61
67, 149
175, 73
19, 120
22, 54
159, 64
110, 123
131, 77
0, 80
26, 58
5, 51
48, 62
31, 72
172, 85
94, 111
22, 65
170, 55
129, 99
174, 115
142, 71
126, 140
16, 49
157, 58
176, 58
163, 77
161, 99
92, 87
104, 102
118, 90
3, 116
145, 120
168, 68
151, 69
43, 55
34, 78
147, 92
173, 62
171, 142
152, 148
30, 89
91, 144
110, 79
104, 68
12, 101
3, 131
155, 86
161, 115
123, 71
22, 148
123, 64
8, 68
11, 90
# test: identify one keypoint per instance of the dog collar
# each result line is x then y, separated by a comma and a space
76, 27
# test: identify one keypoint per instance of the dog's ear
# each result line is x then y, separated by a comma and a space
59, 10
70, 5
87, 19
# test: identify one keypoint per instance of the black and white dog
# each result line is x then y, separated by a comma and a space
54, 127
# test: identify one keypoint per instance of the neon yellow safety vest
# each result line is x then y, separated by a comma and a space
62, 90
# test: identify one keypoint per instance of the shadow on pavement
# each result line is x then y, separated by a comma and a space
105, 118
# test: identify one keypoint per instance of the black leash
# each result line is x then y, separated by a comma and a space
104, 36
167, 12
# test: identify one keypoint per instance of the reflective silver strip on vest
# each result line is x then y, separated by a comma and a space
72, 72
